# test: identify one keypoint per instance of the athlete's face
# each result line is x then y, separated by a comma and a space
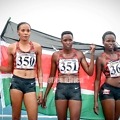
67, 41
24, 32
109, 42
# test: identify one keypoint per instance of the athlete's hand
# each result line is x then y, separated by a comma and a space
92, 48
40, 98
96, 108
44, 102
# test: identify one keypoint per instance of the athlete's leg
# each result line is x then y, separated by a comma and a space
108, 106
30, 101
16, 102
117, 109
61, 108
75, 109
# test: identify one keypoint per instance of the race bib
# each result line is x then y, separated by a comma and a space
25, 60
68, 66
114, 68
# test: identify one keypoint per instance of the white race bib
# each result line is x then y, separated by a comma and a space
114, 68
25, 60
68, 66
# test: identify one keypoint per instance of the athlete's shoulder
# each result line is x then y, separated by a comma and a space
56, 53
79, 53
101, 57
35, 44
13, 45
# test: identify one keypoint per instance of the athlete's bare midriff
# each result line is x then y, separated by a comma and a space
68, 78
24, 73
114, 81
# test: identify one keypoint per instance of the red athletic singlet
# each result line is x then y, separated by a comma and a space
24, 60
68, 65
112, 67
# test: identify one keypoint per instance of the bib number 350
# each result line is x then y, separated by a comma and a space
25, 61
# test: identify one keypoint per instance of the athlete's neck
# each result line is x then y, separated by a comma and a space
24, 42
67, 51
109, 52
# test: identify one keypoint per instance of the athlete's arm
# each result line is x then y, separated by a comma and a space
97, 83
51, 77
39, 72
89, 69
9, 68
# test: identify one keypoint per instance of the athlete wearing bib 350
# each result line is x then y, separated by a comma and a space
108, 64
66, 63
24, 62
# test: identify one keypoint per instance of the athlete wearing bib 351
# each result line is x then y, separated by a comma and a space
108, 64
68, 86
66, 62
68, 65
24, 61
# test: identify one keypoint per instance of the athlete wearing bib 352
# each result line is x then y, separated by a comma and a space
66, 63
24, 62
108, 63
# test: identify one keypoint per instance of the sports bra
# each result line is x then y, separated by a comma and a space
25, 60
68, 65
112, 67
